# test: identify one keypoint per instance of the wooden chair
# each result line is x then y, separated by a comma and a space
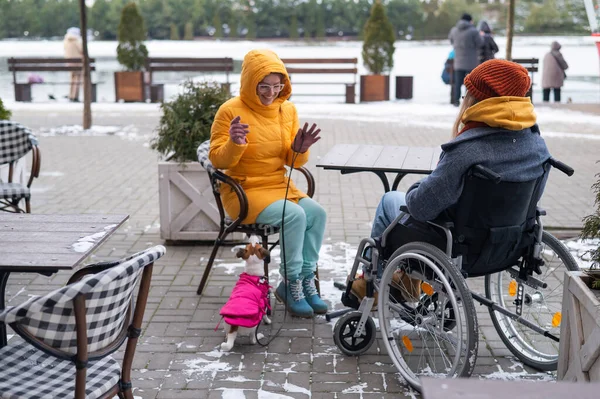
70, 333
228, 225
15, 142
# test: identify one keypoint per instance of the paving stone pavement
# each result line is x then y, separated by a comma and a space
178, 354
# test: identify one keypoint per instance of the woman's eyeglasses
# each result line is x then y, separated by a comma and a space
265, 88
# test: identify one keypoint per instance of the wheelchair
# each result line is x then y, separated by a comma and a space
426, 311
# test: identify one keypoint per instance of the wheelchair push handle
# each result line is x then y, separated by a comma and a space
488, 173
563, 167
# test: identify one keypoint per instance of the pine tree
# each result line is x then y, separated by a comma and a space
591, 224
294, 27
379, 38
188, 32
174, 32
131, 52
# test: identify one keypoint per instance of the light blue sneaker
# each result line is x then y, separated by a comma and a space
312, 295
294, 299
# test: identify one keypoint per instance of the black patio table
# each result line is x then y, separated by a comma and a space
381, 159
33, 243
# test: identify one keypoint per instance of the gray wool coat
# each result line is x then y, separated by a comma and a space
553, 74
466, 41
517, 156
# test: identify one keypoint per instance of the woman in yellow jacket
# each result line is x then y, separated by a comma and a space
253, 137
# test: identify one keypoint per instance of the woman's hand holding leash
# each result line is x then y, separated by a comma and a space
305, 138
238, 131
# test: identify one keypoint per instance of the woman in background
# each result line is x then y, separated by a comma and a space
553, 75
489, 48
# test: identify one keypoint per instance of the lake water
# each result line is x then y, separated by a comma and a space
423, 60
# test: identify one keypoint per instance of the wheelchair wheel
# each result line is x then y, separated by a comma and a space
541, 306
343, 334
433, 333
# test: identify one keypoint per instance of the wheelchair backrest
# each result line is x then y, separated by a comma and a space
494, 222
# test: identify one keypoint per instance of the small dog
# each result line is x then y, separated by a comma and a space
249, 299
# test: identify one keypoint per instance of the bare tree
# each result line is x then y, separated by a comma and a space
87, 85
510, 25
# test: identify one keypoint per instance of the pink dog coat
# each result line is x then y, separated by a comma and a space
248, 302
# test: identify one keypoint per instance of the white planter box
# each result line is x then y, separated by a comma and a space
579, 349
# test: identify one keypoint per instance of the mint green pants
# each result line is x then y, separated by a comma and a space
303, 230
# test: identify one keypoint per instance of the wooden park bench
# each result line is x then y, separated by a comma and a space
155, 64
531, 64
324, 66
23, 90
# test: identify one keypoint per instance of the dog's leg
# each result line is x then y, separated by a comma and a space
253, 335
231, 335
266, 319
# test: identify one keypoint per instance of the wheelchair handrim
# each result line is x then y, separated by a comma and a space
383, 313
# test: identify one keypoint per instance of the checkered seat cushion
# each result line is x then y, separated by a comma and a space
33, 374
14, 191
49, 320
15, 141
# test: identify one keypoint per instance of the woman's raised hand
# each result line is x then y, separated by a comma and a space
238, 131
306, 137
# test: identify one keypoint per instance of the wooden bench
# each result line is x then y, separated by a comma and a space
325, 66
155, 64
531, 64
23, 90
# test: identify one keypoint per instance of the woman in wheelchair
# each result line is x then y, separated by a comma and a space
475, 215
254, 136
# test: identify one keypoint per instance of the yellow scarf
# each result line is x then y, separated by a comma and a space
512, 113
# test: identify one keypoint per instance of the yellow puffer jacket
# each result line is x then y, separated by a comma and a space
258, 165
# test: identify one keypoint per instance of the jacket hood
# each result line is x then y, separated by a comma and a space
507, 112
483, 26
463, 25
555, 46
258, 64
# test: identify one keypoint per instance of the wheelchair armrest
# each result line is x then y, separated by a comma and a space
442, 224
540, 212
309, 179
239, 192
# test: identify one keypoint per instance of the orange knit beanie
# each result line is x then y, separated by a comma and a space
497, 78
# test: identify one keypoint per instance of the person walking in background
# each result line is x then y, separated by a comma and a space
73, 47
466, 41
489, 47
553, 74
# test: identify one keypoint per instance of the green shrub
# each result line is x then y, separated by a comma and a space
591, 227
186, 121
131, 52
379, 38
4, 113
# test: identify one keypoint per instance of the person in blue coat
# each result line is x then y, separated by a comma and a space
495, 127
